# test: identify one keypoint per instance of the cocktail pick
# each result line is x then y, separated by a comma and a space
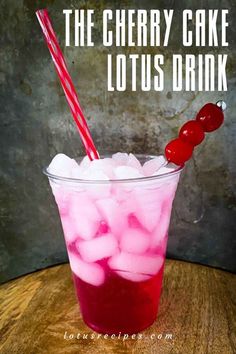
209, 118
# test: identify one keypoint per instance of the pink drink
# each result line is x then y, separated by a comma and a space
116, 236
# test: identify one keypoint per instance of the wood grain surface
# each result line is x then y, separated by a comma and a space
197, 314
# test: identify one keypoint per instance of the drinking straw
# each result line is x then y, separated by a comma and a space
66, 83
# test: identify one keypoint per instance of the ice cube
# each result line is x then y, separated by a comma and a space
94, 175
136, 264
84, 216
133, 276
62, 197
82, 202
120, 158
152, 166
91, 273
98, 248
97, 190
134, 162
128, 204
126, 172
134, 241
148, 207
113, 215
85, 162
169, 190
77, 172
105, 165
61, 165
69, 230
161, 230
119, 192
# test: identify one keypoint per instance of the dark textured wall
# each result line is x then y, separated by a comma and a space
36, 124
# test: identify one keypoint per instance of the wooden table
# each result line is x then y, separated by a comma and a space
38, 313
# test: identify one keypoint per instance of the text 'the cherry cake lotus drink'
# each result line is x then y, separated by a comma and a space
115, 215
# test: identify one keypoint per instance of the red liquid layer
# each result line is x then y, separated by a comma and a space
119, 305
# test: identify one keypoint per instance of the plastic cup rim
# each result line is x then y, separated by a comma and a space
125, 180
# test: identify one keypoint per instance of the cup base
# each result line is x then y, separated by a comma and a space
118, 332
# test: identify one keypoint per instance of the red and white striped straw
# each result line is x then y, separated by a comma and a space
67, 83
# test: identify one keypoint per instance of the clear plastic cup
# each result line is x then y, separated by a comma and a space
116, 235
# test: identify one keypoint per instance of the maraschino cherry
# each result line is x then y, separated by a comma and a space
178, 151
210, 117
192, 133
